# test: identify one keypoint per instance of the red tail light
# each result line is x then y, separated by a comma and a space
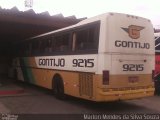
105, 77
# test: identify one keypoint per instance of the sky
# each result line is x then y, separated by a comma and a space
87, 8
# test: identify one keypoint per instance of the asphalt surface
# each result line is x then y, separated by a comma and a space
42, 101
36, 100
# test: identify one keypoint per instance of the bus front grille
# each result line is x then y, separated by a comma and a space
86, 84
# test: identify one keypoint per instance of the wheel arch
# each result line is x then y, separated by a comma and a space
56, 77
58, 86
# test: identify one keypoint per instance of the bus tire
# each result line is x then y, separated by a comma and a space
58, 87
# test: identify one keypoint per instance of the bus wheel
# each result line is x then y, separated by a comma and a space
58, 87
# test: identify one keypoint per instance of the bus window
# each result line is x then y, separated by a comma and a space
62, 42
87, 39
53, 44
28, 48
35, 49
42, 45
48, 45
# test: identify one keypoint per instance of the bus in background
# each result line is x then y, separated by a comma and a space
157, 63
109, 57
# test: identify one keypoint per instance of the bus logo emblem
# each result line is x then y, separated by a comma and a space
133, 31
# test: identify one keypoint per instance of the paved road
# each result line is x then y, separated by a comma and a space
40, 101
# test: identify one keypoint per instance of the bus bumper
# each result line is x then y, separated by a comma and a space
124, 94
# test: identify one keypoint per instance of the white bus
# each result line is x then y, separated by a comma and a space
104, 58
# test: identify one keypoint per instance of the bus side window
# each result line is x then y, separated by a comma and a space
42, 46
35, 49
53, 44
62, 43
81, 38
87, 38
48, 46
57, 43
28, 49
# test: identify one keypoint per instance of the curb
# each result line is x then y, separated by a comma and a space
11, 92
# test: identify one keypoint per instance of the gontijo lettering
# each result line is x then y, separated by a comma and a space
52, 62
130, 44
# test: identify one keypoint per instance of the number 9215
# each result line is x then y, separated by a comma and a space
133, 67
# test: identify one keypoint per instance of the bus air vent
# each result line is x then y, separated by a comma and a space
86, 84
